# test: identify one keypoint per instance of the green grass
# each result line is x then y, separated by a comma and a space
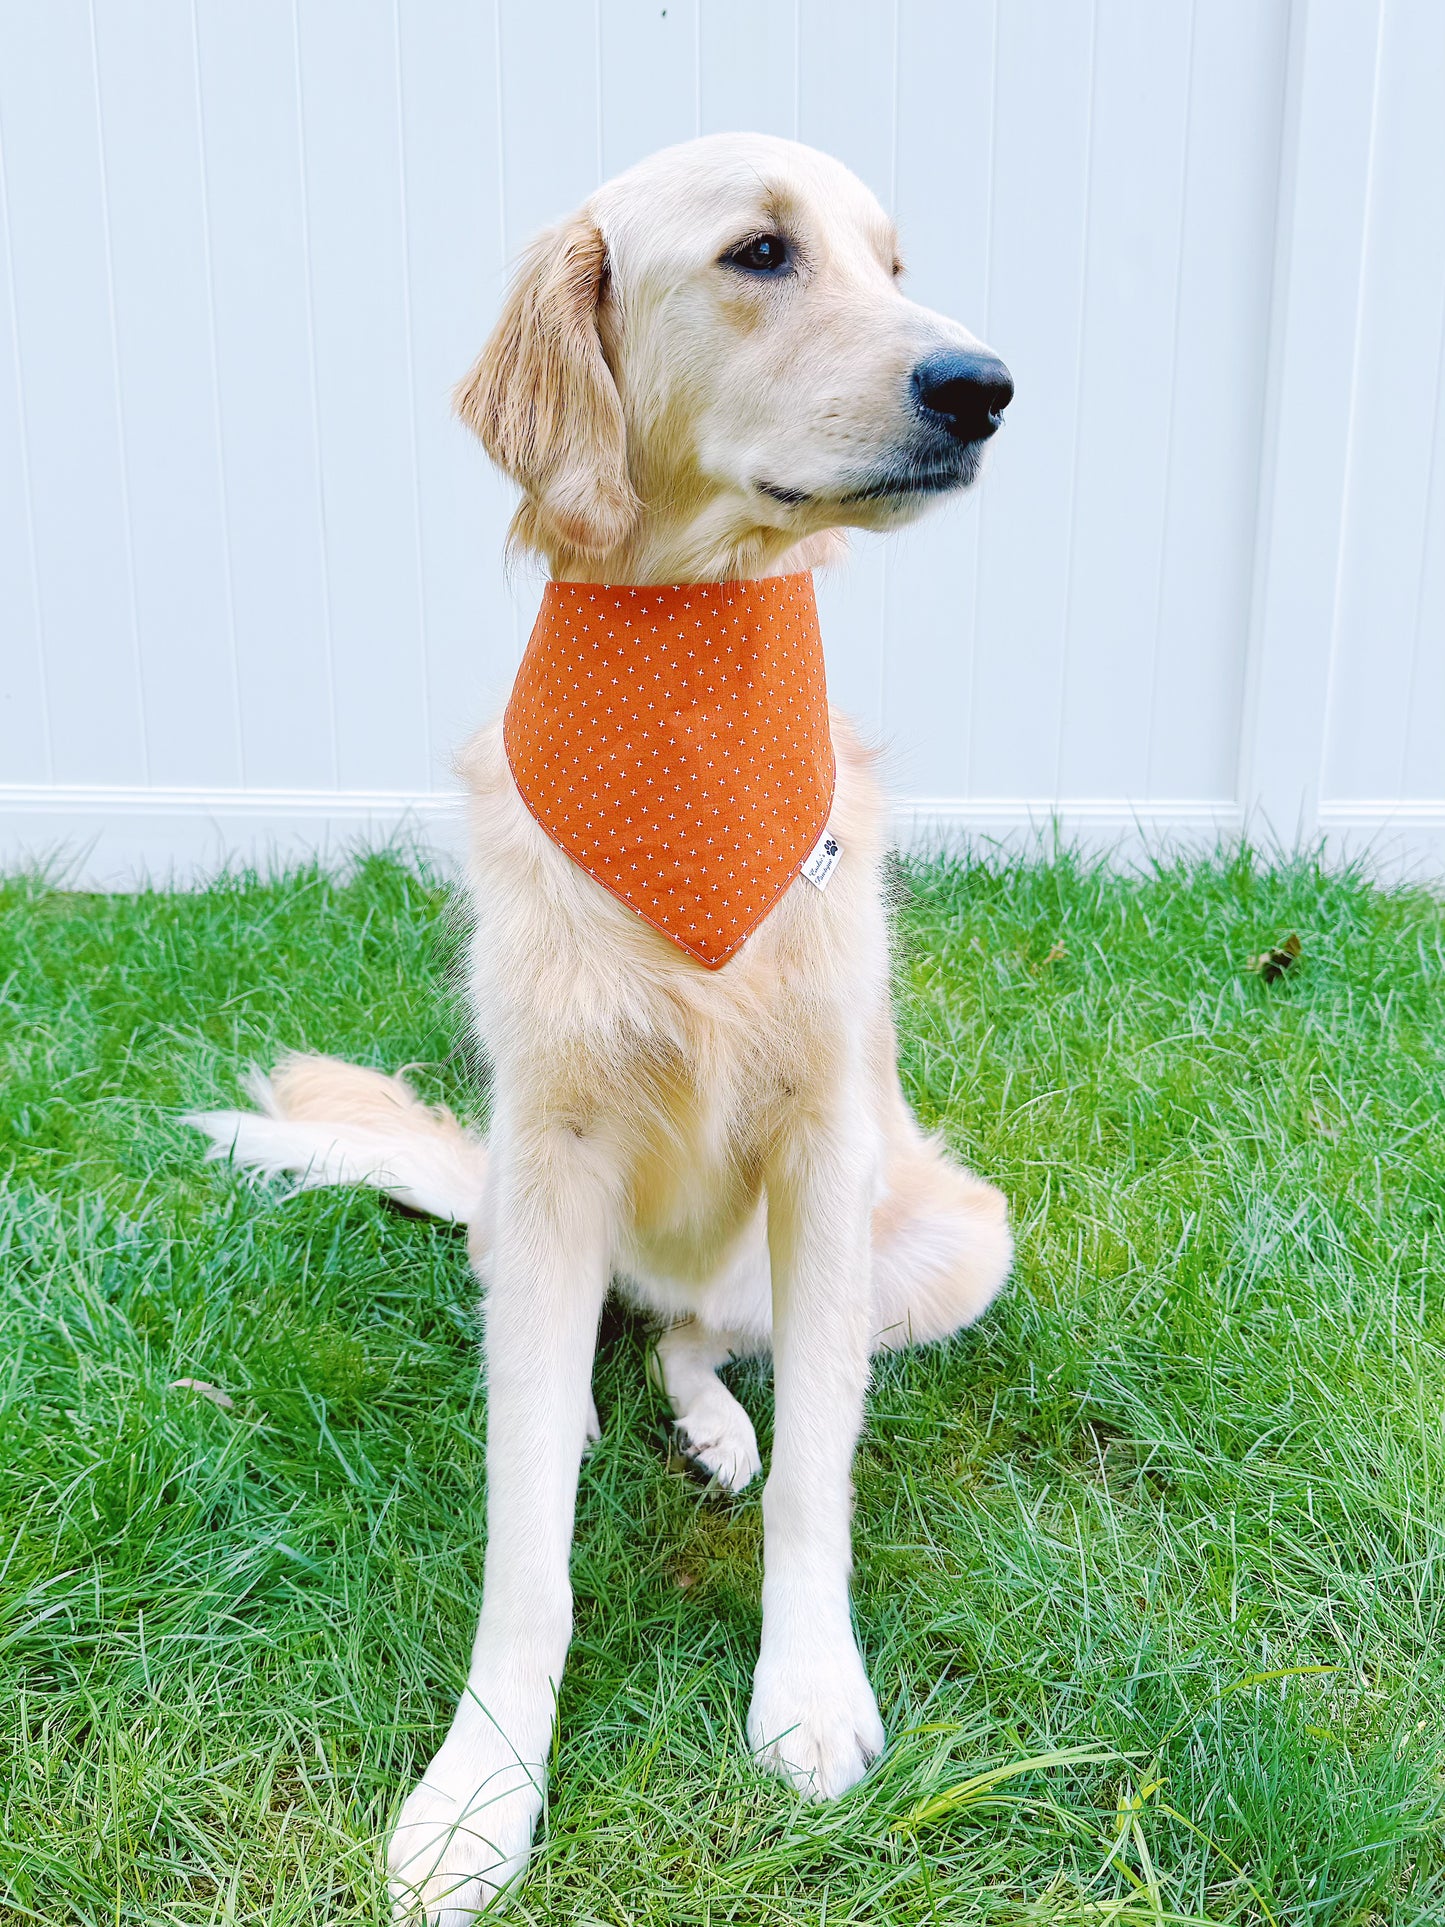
1200, 1440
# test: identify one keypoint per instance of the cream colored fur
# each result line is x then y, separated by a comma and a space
731, 1148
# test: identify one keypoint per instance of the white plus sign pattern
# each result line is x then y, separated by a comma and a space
674, 742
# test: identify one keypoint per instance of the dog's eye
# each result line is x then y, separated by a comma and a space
763, 254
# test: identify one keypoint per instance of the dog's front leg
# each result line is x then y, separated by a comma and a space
466, 1830
813, 1716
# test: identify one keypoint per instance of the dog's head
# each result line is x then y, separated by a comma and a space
714, 359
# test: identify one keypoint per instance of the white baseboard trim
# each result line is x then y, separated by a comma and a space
1386, 813
120, 838
125, 800
1396, 841
923, 822
98, 837
1399, 841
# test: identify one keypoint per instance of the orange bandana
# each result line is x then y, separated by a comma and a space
675, 743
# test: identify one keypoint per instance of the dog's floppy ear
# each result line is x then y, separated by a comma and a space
542, 399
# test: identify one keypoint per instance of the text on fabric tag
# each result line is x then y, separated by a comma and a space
819, 867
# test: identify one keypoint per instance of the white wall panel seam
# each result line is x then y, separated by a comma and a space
314, 383
882, 698
797, 69
137, 661
23, 452
893, 131
505, 255
698, 68
986, 322
1347, 496
423, 652
1431, 490
1247, 756
597, 84
1300, 525
1171, 408
1065, 648
228, 572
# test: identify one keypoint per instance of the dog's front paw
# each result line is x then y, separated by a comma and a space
464, 1833
814, 1719
717, 1435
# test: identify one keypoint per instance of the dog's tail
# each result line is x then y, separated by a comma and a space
327, 1122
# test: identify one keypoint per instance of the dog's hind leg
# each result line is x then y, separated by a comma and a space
941, 1252
712, 1427
941, 1245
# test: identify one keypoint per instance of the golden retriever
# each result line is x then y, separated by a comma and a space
707, 373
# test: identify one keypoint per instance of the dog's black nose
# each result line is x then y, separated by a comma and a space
965, 394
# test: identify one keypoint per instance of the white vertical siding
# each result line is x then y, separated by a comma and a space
257, 228
250, 571
70, 453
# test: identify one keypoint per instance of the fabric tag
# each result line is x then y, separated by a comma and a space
819, 867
